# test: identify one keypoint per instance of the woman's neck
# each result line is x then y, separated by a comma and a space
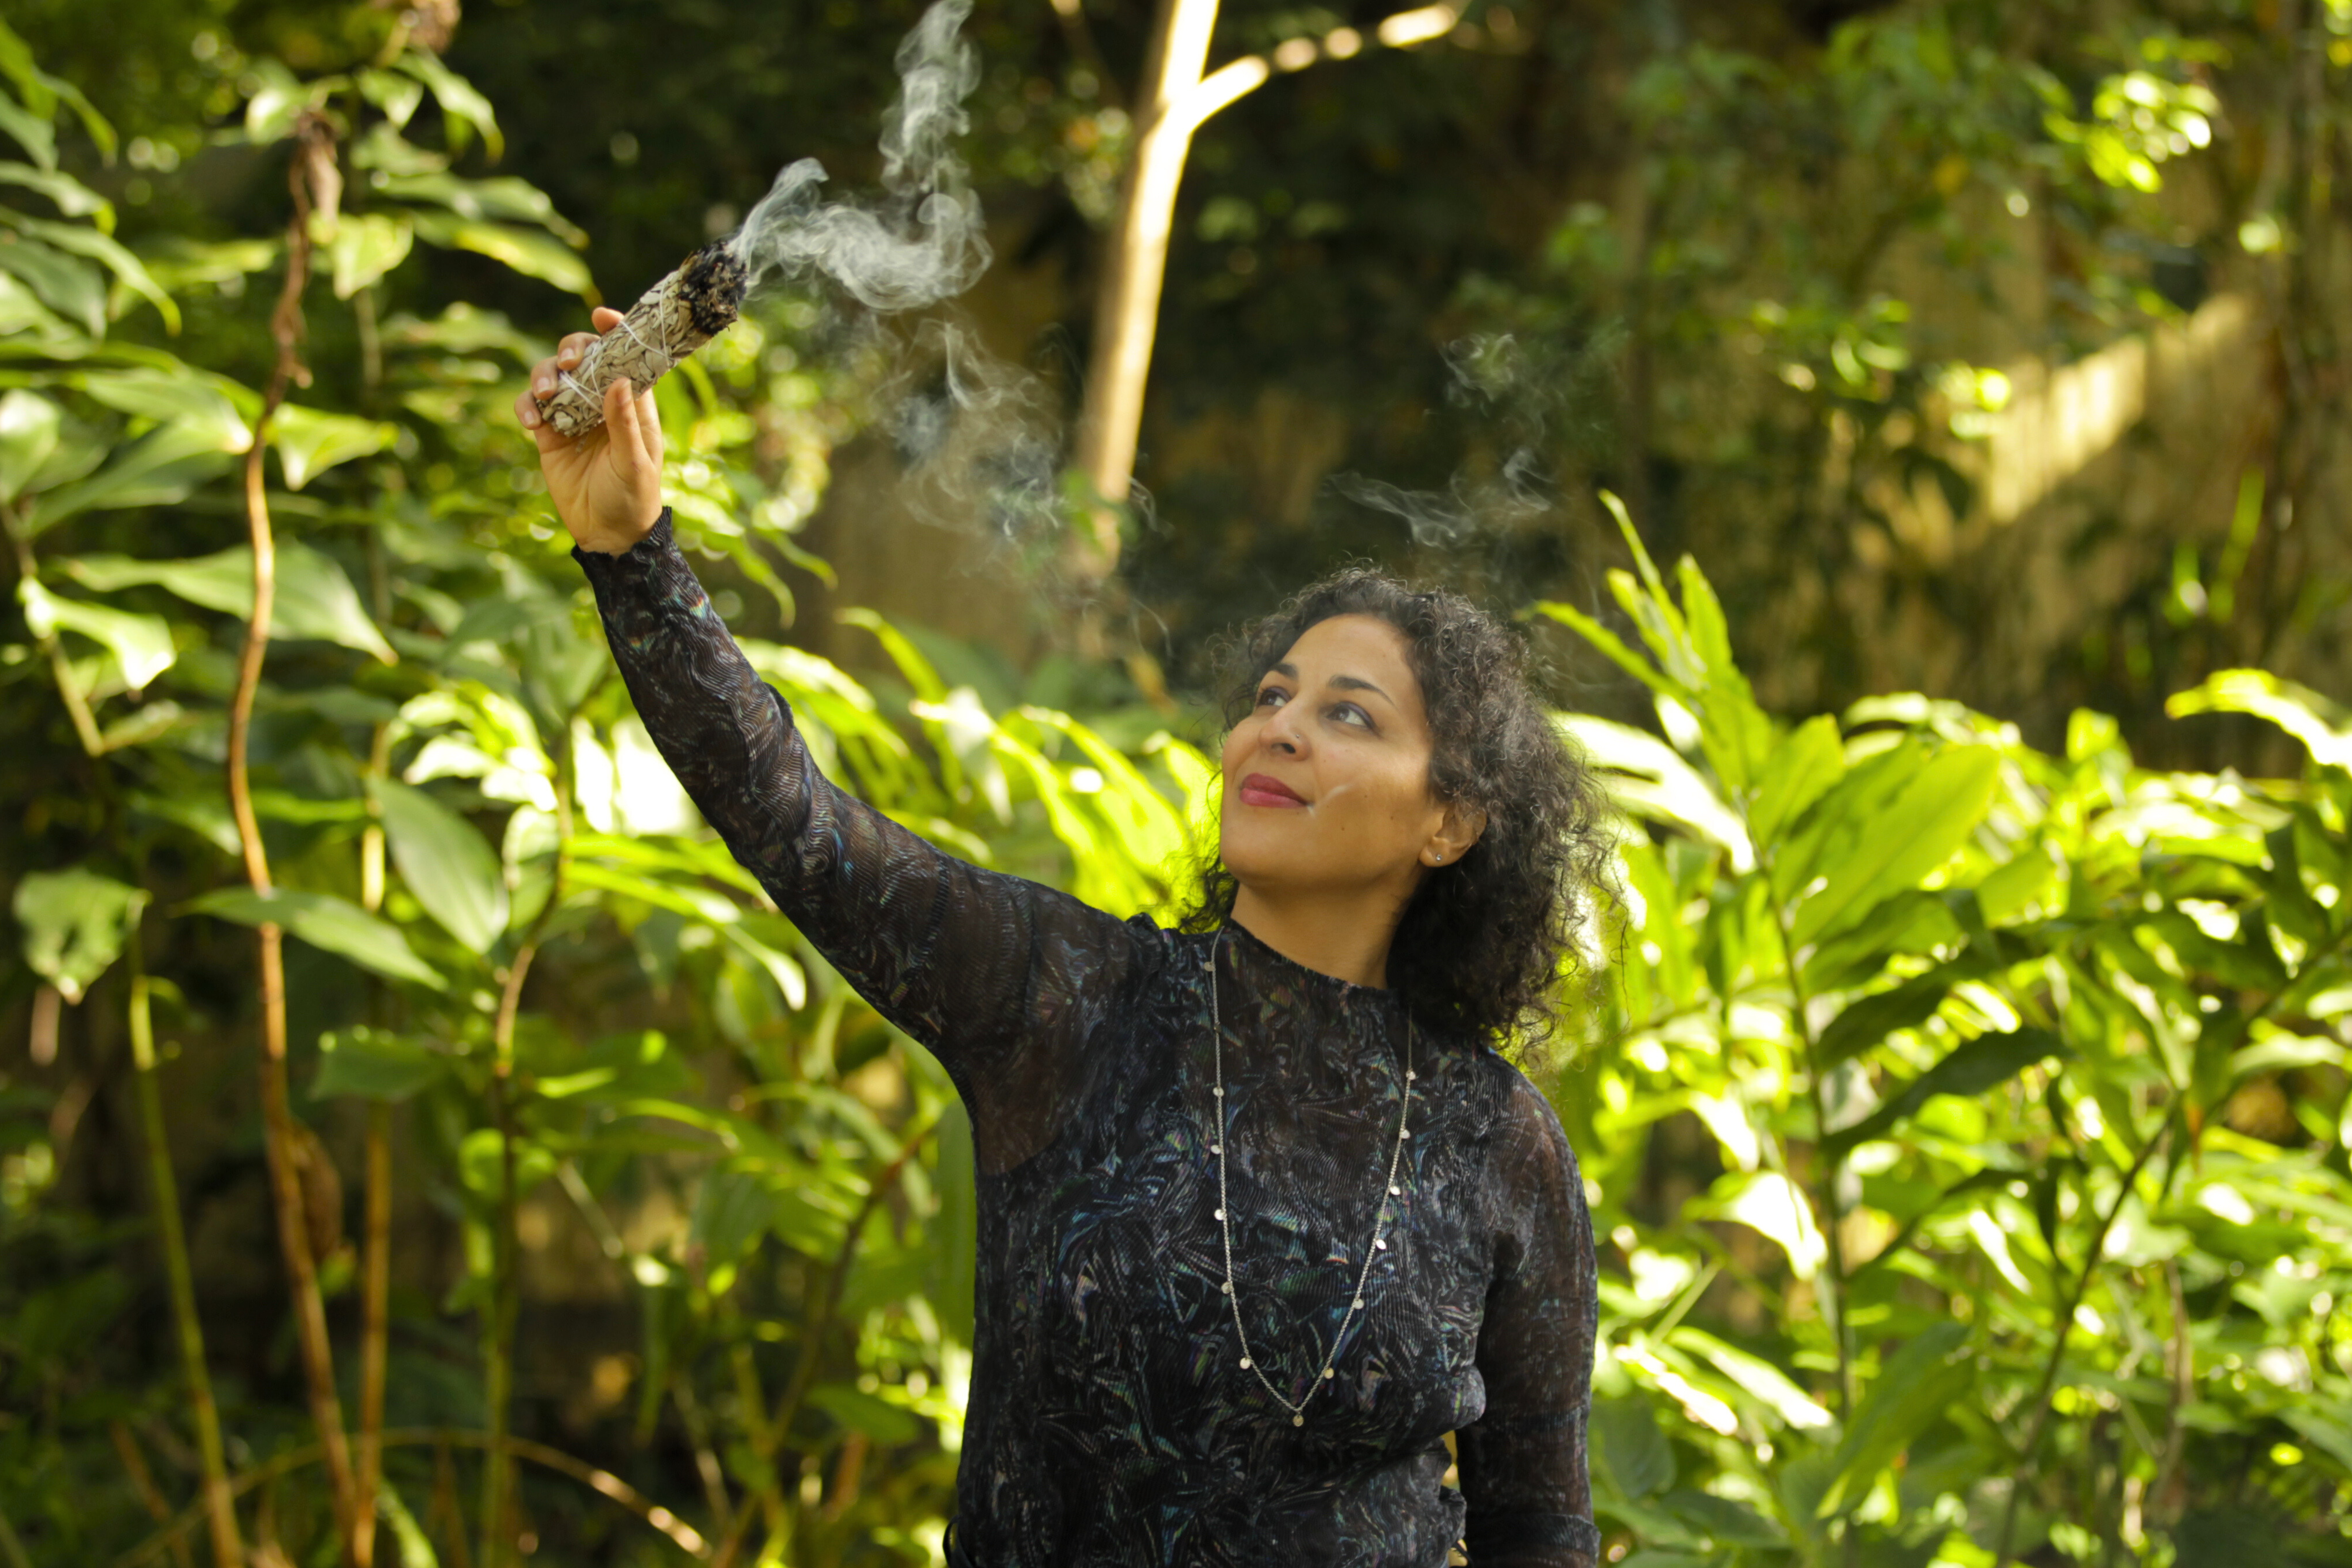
1344, 935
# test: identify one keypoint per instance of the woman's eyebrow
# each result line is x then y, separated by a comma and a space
1352, 683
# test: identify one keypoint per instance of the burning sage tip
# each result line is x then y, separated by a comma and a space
675, 317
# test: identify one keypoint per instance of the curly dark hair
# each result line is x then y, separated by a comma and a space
1482, 950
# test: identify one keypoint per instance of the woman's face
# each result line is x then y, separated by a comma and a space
1327, 781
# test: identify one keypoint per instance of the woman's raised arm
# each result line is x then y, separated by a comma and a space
1006, 981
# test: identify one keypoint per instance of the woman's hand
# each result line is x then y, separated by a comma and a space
606, 485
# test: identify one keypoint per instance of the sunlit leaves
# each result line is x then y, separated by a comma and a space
444, 863
74, 925
332, 924
314, 597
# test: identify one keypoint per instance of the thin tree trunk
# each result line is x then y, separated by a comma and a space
203, 1413
376, 1331
1127, 305
314, 148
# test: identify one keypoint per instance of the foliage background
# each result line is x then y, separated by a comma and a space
1968, 1123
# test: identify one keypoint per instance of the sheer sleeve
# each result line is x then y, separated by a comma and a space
1003, 980
1523, 1463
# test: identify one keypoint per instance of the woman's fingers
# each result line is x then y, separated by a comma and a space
604, 317
621, 420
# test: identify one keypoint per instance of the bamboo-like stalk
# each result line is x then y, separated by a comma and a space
498, 1317
203, 1413
375, 1333
314, 154
142, 1481
375, 1284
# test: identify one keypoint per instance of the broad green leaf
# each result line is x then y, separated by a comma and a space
1611, 645
33, 131
196, 400
1759, 1377
314, 601
1722, 1521
532, 252
74, 290
29, 424
73, 923
2325, 727
1770, 1204
1877, 852
1972, 1067
159, 468
449, 866
508, 199
141, 645
1631, 1446
73, 198
461, 102
1867, 1020
80, 239
482, 1158
880, 1420
367, 246
731, 1214
336, 925
375, 1063
1651, 779
1806, 765
1912, 1393
309, 443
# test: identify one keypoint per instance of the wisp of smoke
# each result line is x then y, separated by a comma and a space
921, 241
1486, 371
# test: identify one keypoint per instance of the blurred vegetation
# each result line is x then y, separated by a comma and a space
1967, 1117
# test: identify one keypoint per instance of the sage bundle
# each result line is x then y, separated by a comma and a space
677, 316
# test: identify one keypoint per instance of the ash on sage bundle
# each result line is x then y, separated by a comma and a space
675, 317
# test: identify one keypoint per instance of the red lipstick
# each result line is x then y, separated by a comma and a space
1259, 789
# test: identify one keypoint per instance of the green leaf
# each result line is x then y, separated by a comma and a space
885, 1422
1724, 1522
1770, 1205
74, 925
309, 443
461, 102
74, 290
374, 1064
159, 468
732, 1212
81, 240
32, 131
1913, 1391
1805, 767
1631, 1446
197, 399
1870, 1019
2325, 727
315, 600
1880, 847
508, 199
1611, 645
532, 252
367, 246
334, 924
1651, 779
29, 424
141, 645
73, 198
1971, 1068
449, 866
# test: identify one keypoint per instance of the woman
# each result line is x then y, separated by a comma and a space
1263, 1215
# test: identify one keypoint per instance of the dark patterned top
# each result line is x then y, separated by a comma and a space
1111, 1425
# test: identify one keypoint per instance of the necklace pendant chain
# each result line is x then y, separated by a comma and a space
1389, 1188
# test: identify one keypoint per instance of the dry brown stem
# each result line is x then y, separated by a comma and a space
314, 142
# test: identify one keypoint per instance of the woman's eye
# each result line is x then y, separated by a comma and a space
1270, 695
1348, 713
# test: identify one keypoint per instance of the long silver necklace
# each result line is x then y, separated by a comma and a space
1224, 1225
